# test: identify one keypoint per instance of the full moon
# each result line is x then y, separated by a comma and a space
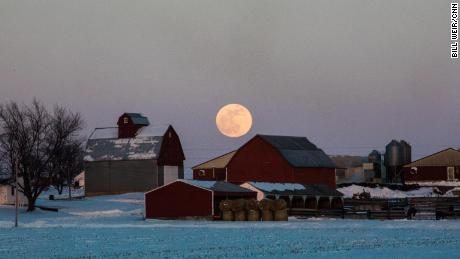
234, 120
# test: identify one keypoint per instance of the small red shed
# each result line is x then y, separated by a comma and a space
191, 199
214, 169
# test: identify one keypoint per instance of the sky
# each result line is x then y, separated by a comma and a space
348, 75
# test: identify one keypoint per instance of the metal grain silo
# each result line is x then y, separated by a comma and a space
375, 157
393, 154
406, 152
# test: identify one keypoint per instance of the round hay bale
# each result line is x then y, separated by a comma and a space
238, 205
267, 215
279, 204
225, 205
266, 204
281, 215
252, 204
227, 215
253, 215
240, 215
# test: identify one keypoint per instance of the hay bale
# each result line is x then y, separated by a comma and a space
267, 215
252, 204
240, 215
253, 215
279, 204
225, 205
266, 204
238, 205
281, 215
227, 215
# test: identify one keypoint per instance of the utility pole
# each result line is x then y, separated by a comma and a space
16, 194
69, 181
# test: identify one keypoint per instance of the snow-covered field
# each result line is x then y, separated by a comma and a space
113, 227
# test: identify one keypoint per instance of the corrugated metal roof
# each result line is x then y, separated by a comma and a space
218, 162
447, 157
103, 144
296, 189
137, 118
299, 151
218, 186
139, 148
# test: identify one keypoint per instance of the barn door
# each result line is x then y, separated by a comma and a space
171, 173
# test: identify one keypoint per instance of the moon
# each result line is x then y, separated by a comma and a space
234, 120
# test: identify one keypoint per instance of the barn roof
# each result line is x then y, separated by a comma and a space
218, 186
104, 144
299, 151
447, 157
218, 162
137, 118
296, 189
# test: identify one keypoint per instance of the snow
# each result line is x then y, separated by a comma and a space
203, 184
436, 183
385, 192
158, 131
113, 227
269, 187
104, 133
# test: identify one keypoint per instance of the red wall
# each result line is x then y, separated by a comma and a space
177, 200
260, 161
429, 173
127, 130
171, 150
218, 174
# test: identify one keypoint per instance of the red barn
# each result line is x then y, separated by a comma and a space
441, 166
190, 198
276, 159
133, 157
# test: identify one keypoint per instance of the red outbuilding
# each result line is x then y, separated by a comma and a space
443, 166
275, 159
191, 199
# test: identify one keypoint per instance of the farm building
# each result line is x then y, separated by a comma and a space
443, 166
133, 157
214, 169
276, 159
7, 193
191, 198
298, 196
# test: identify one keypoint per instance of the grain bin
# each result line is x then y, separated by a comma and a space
393, 154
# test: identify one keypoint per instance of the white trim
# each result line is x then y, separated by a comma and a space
178, 180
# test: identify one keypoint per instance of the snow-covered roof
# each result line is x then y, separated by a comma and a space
218, 186
104, 145
277, 186
218, 162
295, 189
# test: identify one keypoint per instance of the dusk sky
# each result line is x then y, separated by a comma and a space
348, 75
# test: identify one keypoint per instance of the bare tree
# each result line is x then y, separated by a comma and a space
66, 165
33, 137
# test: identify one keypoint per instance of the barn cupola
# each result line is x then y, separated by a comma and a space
130, 123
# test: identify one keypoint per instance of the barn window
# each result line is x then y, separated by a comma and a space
125, 120
450, 174
169, 135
